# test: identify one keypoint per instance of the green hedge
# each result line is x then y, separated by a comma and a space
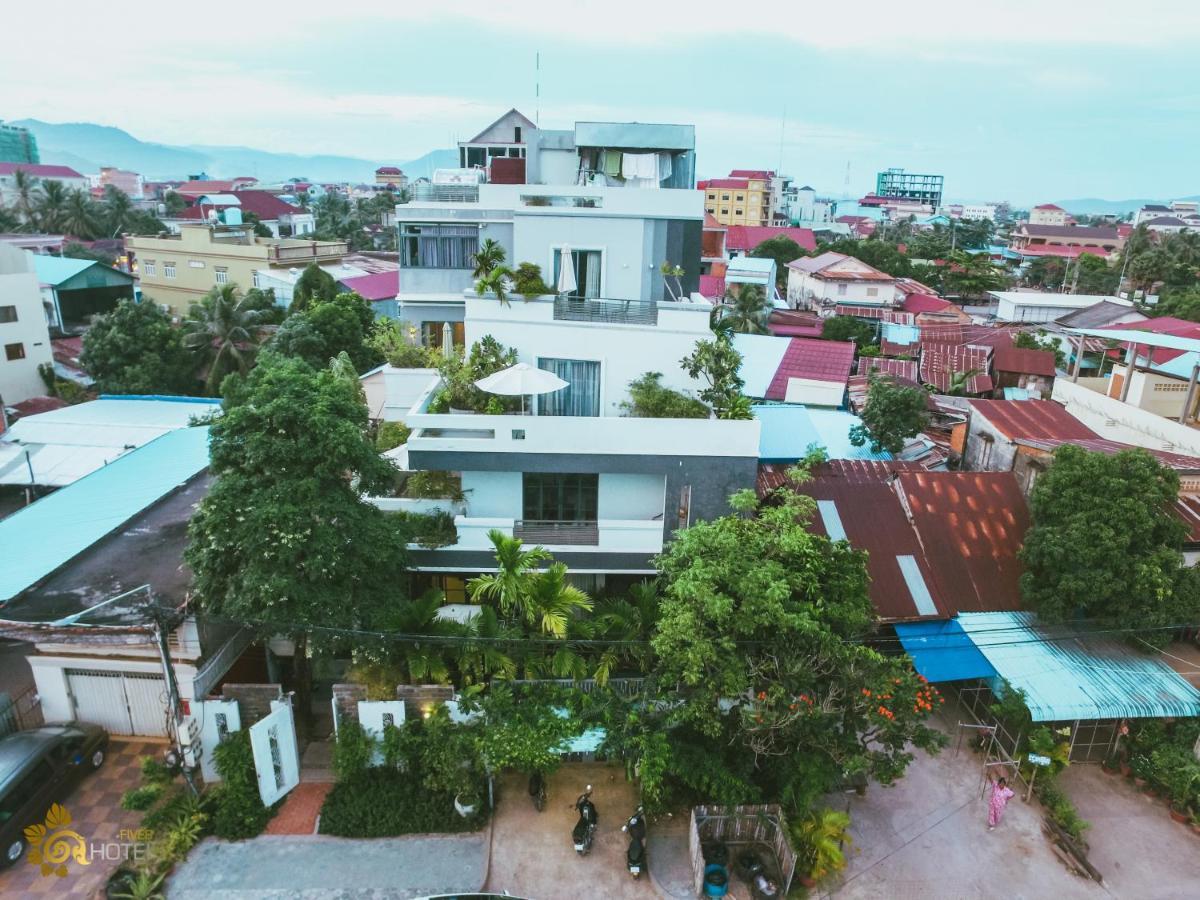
385, 803
238, 810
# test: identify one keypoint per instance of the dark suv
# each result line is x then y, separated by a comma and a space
37, 768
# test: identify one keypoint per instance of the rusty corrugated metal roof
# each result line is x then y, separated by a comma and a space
1038, 419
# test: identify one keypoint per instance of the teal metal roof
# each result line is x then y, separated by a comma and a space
57, 269
942, 651
48, 533
1068, 676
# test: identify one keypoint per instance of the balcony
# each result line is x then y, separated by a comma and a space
308, 250
445, 193
604, 535
615, 312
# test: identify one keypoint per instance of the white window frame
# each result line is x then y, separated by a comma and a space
841, 289
257, 279
221, 275
149, 268
169, 270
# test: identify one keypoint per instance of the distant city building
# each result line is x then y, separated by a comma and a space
923, 189
1048, 214
1180, 215
746, 197
129, 183
978, 211
70, 179
391, 175
1069, 239
18, 145
831, 278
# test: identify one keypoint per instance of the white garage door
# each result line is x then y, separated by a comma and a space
121, 702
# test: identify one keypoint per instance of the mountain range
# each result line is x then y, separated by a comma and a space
1094, 206
86, 147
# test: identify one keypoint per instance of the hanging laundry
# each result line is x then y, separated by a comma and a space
639, 165
612, 163
664, 167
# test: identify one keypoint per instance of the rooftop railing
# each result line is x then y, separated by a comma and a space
619, 312
446, 193
310, 250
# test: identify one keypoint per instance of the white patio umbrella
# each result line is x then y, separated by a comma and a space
521, 380
566, 272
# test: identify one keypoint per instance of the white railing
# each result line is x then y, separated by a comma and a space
615, 535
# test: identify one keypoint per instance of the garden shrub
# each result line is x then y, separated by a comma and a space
391, 435
430, 530
650, 399
353, 751
1060, 808
142, 798
239, 812
383, 802
154, 772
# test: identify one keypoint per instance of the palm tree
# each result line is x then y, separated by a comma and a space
744, 310
8, 220
24, 187
514, 567
79, 216
631, 620
551, 602
224, 329
488, 257
959, 382
117, 207
498, 281
51, 204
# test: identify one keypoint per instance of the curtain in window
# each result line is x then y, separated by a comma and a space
581, 396
587, 272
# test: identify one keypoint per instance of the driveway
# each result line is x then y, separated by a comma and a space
318, 866
532, 854
926, 837
1133, 842
96, 814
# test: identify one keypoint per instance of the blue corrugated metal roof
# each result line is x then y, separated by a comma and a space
941, 651
57, 269
40, 538
788, 431
1067, 675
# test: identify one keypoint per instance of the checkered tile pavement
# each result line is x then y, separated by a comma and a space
95, 808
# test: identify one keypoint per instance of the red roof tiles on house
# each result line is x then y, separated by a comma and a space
1025, 362
1017, 419
1049, 206
712, 286
734, 183
379, 286
762, 174
38, 171
924, 303
747, 237
941, 362
814, 359
200, 188
900, 368
1177, 461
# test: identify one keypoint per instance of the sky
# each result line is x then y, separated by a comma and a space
1024, 100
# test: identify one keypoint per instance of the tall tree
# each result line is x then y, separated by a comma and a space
327, 328
223, 330
116, 209
972, 275
489, 256
313, 286
25, 192
744, 310
79, 216
717, 362
284, 540
892, 414
849, 328
1106, 545
51, 206
783, 250
136, 350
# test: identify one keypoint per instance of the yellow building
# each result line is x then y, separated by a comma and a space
177, 270
744, 198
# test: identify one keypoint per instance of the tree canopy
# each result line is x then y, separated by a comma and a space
849, 328
743, 310
136, 350
1105, 545
783, 250
893, 413
883, 255
326, 328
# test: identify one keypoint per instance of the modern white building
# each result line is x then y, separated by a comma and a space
832, 278
599, 488
535, 190
24, 333
37, 173
1032, 306
978, 211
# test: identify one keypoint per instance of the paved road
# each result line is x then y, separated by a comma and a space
330, 868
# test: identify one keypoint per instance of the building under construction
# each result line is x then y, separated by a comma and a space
18, 145
908, 186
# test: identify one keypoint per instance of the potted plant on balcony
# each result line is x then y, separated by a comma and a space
527, 281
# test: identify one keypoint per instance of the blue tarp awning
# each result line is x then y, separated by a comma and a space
942, 651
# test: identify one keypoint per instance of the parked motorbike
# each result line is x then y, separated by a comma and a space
635, 856
585, 828
537, 790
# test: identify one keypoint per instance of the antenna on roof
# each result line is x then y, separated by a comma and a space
537, 88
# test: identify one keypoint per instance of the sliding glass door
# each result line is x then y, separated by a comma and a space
581, 396
559, 497
587, 271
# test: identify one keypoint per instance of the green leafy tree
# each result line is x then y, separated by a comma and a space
136, 350
1093, 275
783, 250
649, 398
51, 206
223, 331
1105, 544
892, 414
80, 217
284, 540
327, 328
875, 252
74, 250
744, 310
1045, 272
25, 197
540, 597
174, 203
116, 210
314, 285
1182, 303
489, 257
1025, 340
849, 328
972, 275
717, 363
772, 691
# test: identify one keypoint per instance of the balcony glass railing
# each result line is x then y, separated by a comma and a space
547, 531
618, 312
446, 193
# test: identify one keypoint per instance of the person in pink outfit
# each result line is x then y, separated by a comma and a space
1001, 794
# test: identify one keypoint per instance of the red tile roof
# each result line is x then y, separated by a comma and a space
712, 286
38, 171
734, 183
35, 405
751, 173
200, 188
940, 362
1187, 508
1162, 325
747, 237
1061, 250
265, 205
901, 368
379, 286
1048, 206
972, 525
883, 313
1017, 419
795, 323
1026, 362
923, 303
388, 170
815, 359
711, 224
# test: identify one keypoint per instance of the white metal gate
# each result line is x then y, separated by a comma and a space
215, 720
129, 703
276, 756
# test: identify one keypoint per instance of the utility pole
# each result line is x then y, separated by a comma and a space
175, 705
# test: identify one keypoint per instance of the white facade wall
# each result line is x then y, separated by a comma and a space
979, 211
825, 291
624, 496
1117, 421
493, 494
19, 288
1007, 310
1047, 217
